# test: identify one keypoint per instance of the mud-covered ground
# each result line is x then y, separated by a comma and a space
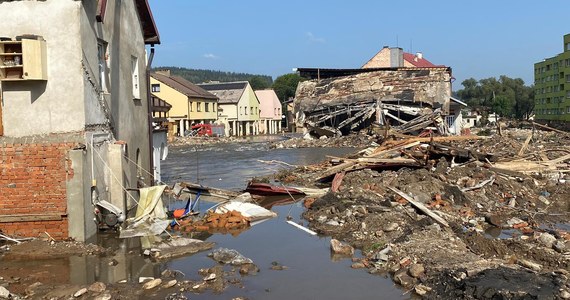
40, 269
508, 239
505, 240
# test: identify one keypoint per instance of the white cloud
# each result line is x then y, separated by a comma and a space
210, 56
313, 39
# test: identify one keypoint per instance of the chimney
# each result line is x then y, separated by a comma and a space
419, 55
164, 72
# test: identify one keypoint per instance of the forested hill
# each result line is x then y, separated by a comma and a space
200, 76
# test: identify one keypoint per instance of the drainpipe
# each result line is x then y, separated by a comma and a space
149, 105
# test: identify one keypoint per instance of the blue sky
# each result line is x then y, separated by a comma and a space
478, 39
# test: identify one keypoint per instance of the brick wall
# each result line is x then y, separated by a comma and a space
33, 196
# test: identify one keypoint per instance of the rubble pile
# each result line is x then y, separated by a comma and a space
454, 217
352, 141
232, 222
180, 141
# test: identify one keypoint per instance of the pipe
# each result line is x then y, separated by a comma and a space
309, 231
149, 106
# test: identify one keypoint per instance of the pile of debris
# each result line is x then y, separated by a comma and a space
232, 222
454, 217
345, 141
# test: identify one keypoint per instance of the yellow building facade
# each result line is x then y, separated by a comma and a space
190, 103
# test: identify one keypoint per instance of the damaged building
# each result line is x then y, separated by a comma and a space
385, 91
75, 112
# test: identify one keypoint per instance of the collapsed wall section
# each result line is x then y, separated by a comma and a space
422, 86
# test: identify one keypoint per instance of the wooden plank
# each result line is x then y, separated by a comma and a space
549, 128
523, 148
30, 218
420, 206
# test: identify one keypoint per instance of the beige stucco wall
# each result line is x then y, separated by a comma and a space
40, 107
211, 115
248, 100
178, 100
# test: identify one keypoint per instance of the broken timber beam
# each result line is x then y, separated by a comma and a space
420, 206
549, 128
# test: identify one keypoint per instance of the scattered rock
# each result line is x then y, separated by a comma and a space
97, 287
559, 246
104, 296
402, 278
547, 239
391, 227
421, 289
248, 269
358, 265
565, 295
4, 293
80, 293
513, 221
229, 256
332, 223
152, 284
210, 277
416, 270
338, 247
170, 284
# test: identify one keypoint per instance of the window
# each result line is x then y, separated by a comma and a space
252, 111
102, 57
191, 106
245, 110
240, 110
155, 87
135, 77
206, 107
198, 106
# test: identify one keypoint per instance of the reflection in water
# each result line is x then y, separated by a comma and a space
126, 263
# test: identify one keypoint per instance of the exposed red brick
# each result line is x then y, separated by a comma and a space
32, 181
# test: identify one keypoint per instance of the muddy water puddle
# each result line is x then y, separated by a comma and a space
311, 272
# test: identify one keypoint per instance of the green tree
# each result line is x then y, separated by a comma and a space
286, 85
259, 82
506, 96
